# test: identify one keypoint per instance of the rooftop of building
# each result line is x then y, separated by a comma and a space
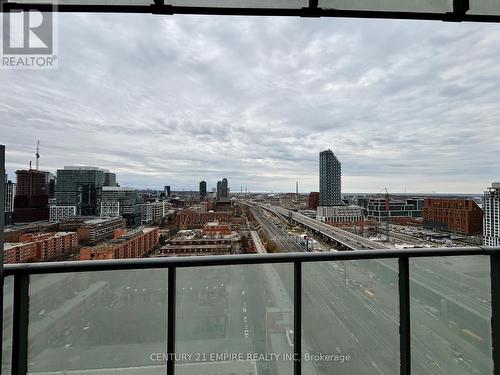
84, 168
449, 199
126, 236
28, 226
54, 234
117, 188
197, 234
92, 220
214, 223
198, 246
11, 245
100, 220
31, 171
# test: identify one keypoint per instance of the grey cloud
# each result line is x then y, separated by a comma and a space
173, 100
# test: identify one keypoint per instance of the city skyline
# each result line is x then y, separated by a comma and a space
242, 188
401, 117
245, 189
259, 187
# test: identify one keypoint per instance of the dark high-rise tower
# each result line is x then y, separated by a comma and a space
80, 187
109, 178
203, 189
313, 201
9, 193
330, 172
223, 191
31, 202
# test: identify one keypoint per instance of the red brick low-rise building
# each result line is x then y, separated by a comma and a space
189, 219
135, 244
313, 201
454, 215
92, 230
216, 228
40, 247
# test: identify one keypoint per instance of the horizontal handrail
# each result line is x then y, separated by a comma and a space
22, 272
224, 260
454, 16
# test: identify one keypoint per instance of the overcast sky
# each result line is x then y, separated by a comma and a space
171, 100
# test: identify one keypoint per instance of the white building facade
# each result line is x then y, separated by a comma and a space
339, 214
154, 212
110, 209
10, 193
61, 213
491, 219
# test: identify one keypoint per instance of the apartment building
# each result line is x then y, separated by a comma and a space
453, 215
492, 215
92, 230
134, 244
40, 247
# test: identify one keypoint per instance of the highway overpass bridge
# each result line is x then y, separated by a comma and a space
443, 289
340, 237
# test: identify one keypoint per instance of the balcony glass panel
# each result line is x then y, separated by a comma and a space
98, 320
485, 7
269, 4
424, 6
489, 7
84, 2
351, 314
450, 315
8, 300
235, 320
284, 4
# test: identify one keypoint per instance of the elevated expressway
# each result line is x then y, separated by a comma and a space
344, 239
443, 287
259, 247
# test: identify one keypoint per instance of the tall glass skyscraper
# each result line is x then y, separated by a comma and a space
109, 179
330, 171
223, 191
80, 187
203, 189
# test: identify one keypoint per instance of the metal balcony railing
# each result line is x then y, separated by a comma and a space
452, 11
22, 273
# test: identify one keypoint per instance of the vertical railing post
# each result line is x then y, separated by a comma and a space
404, 316
495, 311
20, 316
171, 321
297, 318
2, 216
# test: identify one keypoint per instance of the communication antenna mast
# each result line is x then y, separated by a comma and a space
37, 154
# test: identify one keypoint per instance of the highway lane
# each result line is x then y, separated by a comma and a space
350, 240
374, 321
448, 289
433, 355
374, 349
477, 286
329, 333
280, 237
433, 339
442, 283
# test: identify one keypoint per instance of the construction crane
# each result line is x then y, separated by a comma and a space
388, 215
37, 154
